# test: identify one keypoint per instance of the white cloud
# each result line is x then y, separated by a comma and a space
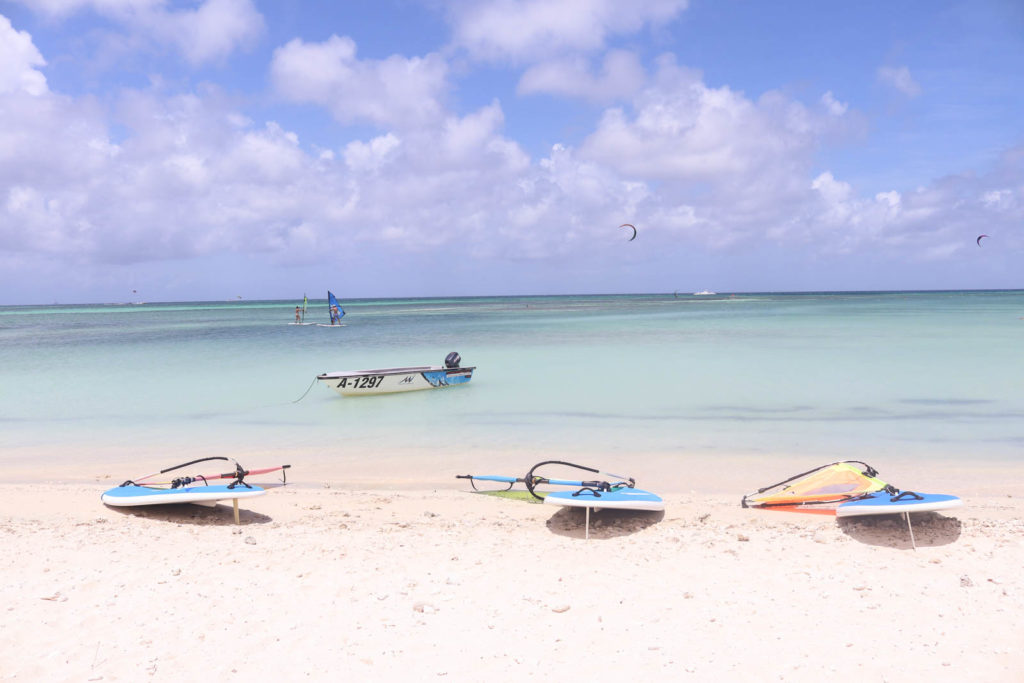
210, 32
900, 79
1001, 199
63, 8
190, 174
192, 177
186, 180
18, 61
891, 198
271, 155
682, 130
831, 190
532, 30
622, 75
396, 91
365, 157
928, 224
940, 252
467, 140
832, 105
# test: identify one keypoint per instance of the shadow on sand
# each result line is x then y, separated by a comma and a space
604, 524
186, 513
930, 529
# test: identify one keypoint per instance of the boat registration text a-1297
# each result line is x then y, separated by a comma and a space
364, 382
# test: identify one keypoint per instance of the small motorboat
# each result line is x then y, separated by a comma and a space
393, 380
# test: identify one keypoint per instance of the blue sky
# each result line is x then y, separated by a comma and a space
210, 149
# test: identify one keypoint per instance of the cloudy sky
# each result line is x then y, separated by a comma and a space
208, 149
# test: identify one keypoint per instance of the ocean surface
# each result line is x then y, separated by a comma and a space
835, 375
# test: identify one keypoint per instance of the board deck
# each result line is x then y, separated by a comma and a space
126, 496
618, 499
329, 325
886, 504
302, 323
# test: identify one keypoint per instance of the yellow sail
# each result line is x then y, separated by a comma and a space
825, 486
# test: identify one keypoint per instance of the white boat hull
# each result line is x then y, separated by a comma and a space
394, 380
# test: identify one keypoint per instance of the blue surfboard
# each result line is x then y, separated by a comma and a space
201, 495
882, 503
623, 498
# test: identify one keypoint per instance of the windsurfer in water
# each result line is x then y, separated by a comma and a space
298, 313
334, 315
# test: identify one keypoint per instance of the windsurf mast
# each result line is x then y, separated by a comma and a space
474, 478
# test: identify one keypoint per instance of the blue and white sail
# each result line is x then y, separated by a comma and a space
334, 308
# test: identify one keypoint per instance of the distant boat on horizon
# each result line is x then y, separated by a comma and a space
704, 292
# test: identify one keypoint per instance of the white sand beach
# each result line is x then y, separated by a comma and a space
323, 582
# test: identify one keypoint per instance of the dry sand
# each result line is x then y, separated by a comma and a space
323, 583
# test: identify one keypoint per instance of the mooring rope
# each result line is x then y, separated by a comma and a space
306, 392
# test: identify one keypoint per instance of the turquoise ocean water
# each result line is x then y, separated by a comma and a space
840, 375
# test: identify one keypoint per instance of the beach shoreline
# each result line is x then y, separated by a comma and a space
323, 579
429, 468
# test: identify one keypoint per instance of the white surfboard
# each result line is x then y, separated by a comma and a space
887, 504
619, 499
132, 495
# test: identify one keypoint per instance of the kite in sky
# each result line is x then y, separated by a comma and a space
979, 239
630, 225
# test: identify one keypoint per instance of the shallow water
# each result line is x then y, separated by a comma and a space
919, 375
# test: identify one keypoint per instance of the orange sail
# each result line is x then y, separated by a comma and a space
822, 488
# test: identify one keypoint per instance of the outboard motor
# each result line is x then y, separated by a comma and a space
452, 360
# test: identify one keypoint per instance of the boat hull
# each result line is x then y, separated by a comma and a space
394, 380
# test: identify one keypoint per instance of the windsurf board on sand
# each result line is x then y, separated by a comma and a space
131, 495
615, 498
192, 489
619, 494
883, 503
624, 498
850, 488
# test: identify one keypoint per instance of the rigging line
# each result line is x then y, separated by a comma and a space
176, 467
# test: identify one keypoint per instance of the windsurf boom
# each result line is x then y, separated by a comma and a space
532, 479
823, 488
238, 476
